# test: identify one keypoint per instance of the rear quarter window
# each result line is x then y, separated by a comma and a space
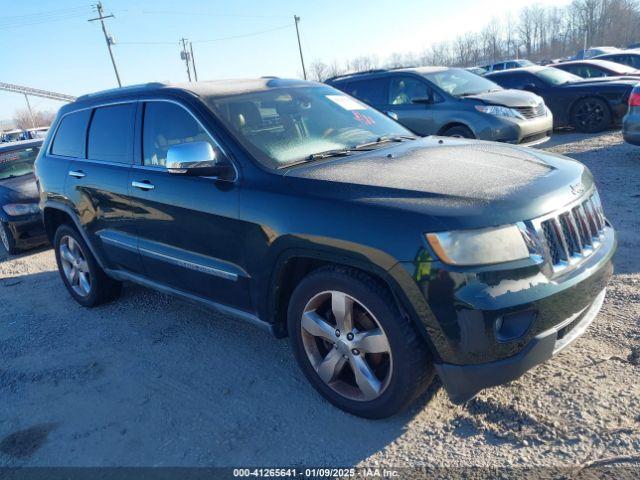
70, 136
372, 92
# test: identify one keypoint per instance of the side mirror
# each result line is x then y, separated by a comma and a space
197, 159
425, 100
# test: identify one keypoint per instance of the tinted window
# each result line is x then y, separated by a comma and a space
111, 133
592, 72
402, 90
554, 76
498, 66
69, 140
373, 92
515, 80
167, 124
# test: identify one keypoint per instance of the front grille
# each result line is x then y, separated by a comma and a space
573, 234
533, 112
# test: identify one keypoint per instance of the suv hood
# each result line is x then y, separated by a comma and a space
483, 182
508, 98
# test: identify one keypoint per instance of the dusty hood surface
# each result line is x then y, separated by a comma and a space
450, 177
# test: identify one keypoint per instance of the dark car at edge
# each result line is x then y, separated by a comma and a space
288, 204
589, 105
631, 122
20, 220
595, 68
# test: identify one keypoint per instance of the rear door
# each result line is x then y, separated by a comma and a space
189, 235
97, 182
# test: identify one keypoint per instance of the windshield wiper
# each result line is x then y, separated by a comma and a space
384, 139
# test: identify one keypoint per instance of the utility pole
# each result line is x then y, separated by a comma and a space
33, 121
184, 55
193, 62
304, 71
108, 38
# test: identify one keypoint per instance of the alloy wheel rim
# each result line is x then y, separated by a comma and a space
75, 266
590, 114
346, 345
3, 236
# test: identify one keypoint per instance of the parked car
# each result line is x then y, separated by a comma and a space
598, 68
506, 65
38, 132
630, 58
13, 136
303, 210
631, 122
588, 105
594, 52
20, 219
476, 70
452, 102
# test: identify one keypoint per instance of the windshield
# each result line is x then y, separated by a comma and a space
287, 125
16, 163
555, 76
460, 83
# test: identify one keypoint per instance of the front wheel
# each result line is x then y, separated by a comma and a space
459, 131
85, 280
8, 242
591, 115
354, 345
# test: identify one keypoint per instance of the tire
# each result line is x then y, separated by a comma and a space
97, 287
400, 376
591, 115
459, 131
6, 237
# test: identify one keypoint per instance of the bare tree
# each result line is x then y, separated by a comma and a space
22, 118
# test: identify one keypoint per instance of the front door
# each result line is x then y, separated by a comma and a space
188, 229
416, 116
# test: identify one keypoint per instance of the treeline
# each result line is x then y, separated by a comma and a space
536, 33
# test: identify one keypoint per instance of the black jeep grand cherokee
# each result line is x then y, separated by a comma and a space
296, 207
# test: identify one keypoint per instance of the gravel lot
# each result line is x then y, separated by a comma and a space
152, 381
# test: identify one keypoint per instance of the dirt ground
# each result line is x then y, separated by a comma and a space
152, 381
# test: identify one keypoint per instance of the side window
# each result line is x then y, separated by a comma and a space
575, 69
111, 133
593, 72
373, 92
402, 90
69, 139
498, 66
167, 124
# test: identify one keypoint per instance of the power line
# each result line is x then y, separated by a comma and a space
108, 38
219, 39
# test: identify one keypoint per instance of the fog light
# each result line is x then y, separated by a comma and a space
514, 325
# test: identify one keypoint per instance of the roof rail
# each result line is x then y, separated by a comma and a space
351, 74
122, 89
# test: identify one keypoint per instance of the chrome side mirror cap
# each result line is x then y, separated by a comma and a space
197, 159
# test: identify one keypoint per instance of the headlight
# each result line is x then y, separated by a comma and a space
17, 209
479, 247
499, 111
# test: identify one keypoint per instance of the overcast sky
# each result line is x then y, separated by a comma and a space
50, 45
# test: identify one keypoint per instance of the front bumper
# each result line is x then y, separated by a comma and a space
28, 231
463, 382
526, 132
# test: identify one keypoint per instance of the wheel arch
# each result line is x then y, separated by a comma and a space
55, 214
456, 123
293, 265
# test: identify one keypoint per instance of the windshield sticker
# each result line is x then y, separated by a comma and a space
366, 119
347, 103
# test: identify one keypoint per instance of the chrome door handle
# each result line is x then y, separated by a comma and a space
143, 185
77, 173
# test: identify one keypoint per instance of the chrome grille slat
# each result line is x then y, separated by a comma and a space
532, 112
572, 233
